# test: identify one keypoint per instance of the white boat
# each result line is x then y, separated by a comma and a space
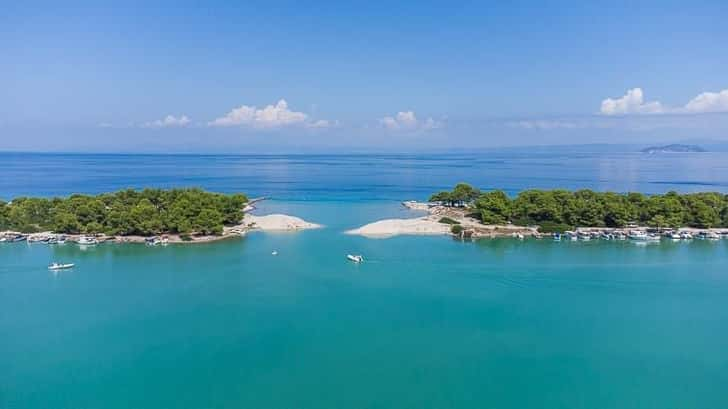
638, 235
557, 236
355, 258
59, 266
274, 253
572, 235
518, 236
87, 240
686, 235
674, 235
653, 237
711, 235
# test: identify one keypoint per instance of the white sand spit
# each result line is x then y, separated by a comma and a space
274, 222
394, 227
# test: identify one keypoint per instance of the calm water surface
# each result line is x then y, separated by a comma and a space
426, 322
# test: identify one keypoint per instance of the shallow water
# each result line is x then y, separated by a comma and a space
426, 322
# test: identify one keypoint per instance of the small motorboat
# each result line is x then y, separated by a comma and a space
355, 258
653, 237
638, 235
87, 240
60, 266
711, 235
557, 236
274, 253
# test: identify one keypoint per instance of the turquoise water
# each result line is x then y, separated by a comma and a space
425, 322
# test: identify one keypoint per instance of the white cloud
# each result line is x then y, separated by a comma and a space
407, 121
709, 102
546, 124
633, 103
271, 116
169, 121
322, 123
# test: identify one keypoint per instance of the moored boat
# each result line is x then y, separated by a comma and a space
673, 235
638, 235
686, 235
87, 240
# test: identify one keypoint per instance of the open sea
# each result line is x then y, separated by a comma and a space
424, 322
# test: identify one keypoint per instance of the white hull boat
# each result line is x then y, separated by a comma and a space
60, 266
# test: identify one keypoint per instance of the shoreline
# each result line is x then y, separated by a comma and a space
250, 223
426, 225
473, 229
430, 225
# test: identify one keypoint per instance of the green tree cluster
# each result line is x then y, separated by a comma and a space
127, 212
561, 209
461, 195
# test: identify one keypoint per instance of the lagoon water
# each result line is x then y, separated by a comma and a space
425, 322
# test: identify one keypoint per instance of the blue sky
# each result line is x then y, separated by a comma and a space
277, 76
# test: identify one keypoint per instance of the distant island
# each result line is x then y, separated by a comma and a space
673, 148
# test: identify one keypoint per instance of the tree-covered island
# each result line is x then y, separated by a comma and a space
127, 212
559, 210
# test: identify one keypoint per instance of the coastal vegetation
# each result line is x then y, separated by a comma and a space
448, 220
126, 212
556, 210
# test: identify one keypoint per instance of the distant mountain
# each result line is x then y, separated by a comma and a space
674, 148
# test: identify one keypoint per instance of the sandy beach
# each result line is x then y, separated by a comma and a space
392, 227
277, 222
431, 225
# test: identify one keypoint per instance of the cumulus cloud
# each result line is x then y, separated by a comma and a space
709, 102
169, 121
407, 121
271, 116
633, 103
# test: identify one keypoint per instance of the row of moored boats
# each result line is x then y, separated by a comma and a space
51, 238
47, 238
639, 235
